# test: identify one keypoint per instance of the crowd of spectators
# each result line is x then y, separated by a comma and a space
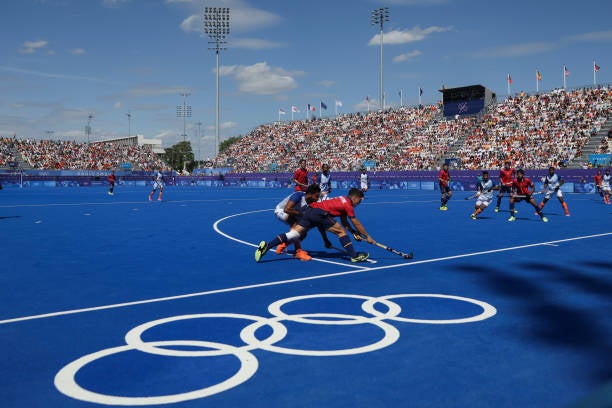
533, 131
68, 155
407, 138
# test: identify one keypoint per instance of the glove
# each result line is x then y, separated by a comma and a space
357, 236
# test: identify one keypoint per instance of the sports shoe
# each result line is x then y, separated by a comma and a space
496, 209
302, 255
443, 208
567, 215
511, 218
544, 219
282, 247
361, 257
261, 250
473, 216
159, 199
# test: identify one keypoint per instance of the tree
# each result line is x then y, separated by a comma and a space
224, 145
180, 156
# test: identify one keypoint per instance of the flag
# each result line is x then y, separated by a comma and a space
323, 105
509, 79
538, 75
294, 109
565, 71
400, 93
281, 111
311, 108
338, 103
595, 67
368, 98
420, 91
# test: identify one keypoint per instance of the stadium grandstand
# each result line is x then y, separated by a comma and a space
560, 128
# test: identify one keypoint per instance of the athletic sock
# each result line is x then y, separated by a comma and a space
347, 244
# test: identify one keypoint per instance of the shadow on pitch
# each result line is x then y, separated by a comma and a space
567, 318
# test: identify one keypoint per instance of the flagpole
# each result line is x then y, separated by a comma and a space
594, 74
537, 82
564, 69
401, 98
508, 81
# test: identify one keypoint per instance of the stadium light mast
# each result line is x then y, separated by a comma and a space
199, 140
217, 27
88, 127
379, 17
129, 116
184, 111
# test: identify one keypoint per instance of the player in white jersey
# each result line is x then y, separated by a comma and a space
552, 186
323, 179
484, 194
289, 210
158, 183
605, 186
364, 180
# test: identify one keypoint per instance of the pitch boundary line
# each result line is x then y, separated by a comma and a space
288, 281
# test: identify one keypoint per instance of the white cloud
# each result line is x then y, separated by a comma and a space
407, 36
407, 56
254, 44
260, 78
77, 51
30, 47
117, 105
242, 19
592, 36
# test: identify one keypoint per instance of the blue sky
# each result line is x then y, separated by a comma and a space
65, 59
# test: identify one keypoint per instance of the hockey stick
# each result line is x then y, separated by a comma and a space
471, 196
395, 251
525, 195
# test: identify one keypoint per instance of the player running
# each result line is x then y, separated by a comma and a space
506, 177
111, 183
444, 182
289, 211
597, 178
321, 214
364, 180
158, 183
523, 189
485, 194
605, 186
323, 179
552, 185
300, 177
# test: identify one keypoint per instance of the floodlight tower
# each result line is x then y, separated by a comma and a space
184, 112
217, 27
129, 116
88, 127
379, 17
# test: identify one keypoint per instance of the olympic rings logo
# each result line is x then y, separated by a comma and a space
65, 380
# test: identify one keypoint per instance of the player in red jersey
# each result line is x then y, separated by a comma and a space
506, 177
321, 214
597, 178
444, 183
523, 189
111, 183
300, 177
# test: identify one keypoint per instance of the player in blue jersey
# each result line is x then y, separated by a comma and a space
484, 195
552, 185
